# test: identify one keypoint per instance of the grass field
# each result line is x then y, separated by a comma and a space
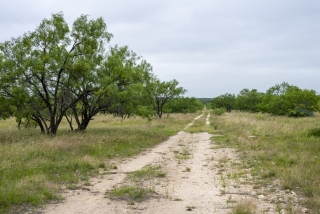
277, 148
35, 167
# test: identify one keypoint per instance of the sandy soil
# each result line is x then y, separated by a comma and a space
214, 183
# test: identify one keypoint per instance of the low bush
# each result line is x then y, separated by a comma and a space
219, 111
300, 112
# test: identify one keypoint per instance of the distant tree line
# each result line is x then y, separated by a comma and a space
183, 105
57, 72
281, 99
205, 101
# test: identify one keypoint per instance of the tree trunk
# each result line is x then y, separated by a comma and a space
69, 121
38, 121
84, 123
85, 119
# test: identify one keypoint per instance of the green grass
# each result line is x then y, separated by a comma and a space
200, 124
287, 149
244, 207
183, 154
130, 193
147, 173
34, 167
138, 189
314, 132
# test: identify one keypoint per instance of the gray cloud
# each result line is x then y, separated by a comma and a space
211, 47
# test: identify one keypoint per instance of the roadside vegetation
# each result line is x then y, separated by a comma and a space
278, 148
35, 168
275, 148
277, 133
280, 99
139, 185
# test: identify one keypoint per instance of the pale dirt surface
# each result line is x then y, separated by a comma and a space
214, 184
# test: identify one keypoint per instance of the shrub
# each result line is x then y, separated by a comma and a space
300, 112
314, 132
218, 111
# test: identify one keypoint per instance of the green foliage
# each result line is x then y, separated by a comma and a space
131, 193
218, 111
147, 173
226, 101
118, 88
130, 74
183, 105
5, 108
138, 191
44, 71
303, 102
273, 101
248, 100
57, 72
300, 112
285, 99
205, 101
160, 93
314, 132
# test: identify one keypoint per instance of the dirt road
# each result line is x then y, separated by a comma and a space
208, 179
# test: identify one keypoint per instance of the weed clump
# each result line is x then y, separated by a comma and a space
244, 207
130, 193
138, 191
219, 111
314, 132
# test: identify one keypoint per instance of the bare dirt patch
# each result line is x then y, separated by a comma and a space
200, 178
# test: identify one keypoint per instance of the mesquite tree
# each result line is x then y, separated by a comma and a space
42, 71
248, 100
285, 99
162, 92
226, 101
117, 87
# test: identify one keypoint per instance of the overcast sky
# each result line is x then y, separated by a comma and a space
211, 47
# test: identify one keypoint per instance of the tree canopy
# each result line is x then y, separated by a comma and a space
57, 72
161, 92
226, 101
248, 100
183, 105
285, 99
43, 70
280, 99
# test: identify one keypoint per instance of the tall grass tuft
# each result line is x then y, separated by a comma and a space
244, 207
